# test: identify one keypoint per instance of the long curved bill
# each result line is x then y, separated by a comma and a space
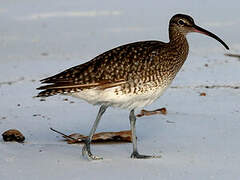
198, 29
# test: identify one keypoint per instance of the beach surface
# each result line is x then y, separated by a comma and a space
199, 136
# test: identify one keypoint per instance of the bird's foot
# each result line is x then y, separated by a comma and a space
87, 153
136, 155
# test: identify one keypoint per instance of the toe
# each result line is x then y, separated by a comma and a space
136, 155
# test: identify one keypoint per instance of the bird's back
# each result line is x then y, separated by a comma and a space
137, 70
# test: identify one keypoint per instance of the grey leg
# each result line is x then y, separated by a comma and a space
86, 148
135, 153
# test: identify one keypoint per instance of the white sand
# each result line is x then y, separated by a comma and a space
39, 39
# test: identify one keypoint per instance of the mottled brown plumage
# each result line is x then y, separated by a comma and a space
129, 76
121, 65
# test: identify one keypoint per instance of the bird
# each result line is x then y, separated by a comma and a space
128, 77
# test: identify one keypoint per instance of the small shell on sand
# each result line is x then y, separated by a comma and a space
13, 135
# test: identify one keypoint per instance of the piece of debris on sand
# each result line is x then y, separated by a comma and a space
202, 94
102, 137
13, 135
232, 55
149, 113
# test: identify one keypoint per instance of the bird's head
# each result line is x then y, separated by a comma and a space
185, 24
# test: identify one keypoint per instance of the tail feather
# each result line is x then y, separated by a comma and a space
48, 92
52, 92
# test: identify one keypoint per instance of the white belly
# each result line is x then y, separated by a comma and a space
121, 100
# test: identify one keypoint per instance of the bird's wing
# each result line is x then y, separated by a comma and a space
112, 68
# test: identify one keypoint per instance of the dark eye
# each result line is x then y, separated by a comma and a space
180, 22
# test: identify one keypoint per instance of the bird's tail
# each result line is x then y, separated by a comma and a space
48, 92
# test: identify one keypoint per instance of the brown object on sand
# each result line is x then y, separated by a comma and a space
13, 135
203, 94
149, 113
232, 55
121, 136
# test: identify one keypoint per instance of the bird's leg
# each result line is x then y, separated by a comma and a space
86, 148
135, 153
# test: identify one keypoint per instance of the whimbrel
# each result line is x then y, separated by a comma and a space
129, 76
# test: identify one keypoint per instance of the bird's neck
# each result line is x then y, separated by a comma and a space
178, 40
179, 47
